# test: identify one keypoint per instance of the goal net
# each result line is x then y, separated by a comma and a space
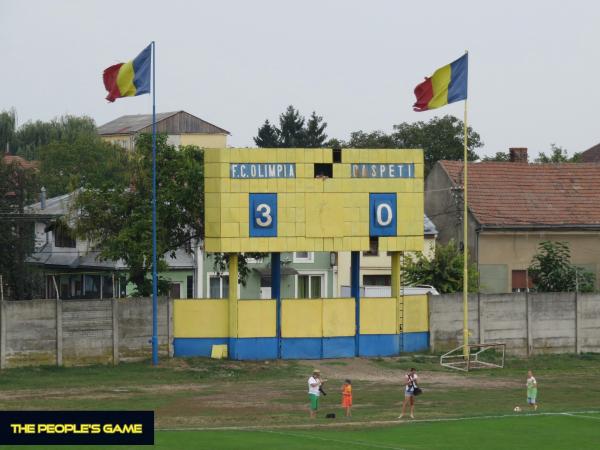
477, 356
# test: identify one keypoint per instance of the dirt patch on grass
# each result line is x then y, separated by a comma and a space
369, 370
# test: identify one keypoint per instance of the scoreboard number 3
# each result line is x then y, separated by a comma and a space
263, 215
264, 218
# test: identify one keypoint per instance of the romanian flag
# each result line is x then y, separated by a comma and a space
130, 78
448, 84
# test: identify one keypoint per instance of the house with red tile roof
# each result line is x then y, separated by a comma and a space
512, 207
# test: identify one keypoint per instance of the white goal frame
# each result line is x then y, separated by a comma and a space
475, 359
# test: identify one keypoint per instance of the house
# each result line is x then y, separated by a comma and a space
513, 206
376, 266
71, 266
181, 127
591, 155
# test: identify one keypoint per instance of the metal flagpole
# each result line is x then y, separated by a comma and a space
154, 275
465, 244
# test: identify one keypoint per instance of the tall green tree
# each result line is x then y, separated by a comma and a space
117, 217
293, 131
81, 161
18, 188
558, 155
373, 139
8, 128
314, 135
291, 128
32, 136
268, 136
444, 271
551, 270
440, 138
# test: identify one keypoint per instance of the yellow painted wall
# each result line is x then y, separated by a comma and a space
313, 214
338, 317
204, 140
256, 318
416, 313
378, 316
200, 318
301, 318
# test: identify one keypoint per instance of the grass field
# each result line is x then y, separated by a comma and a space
209, 404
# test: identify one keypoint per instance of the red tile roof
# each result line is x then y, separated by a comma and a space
14, 159
518, 194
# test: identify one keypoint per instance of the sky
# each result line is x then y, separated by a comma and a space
534, 66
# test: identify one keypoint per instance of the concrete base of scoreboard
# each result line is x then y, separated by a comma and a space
370, 345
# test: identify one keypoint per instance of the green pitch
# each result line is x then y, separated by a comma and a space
522, 431
207, 404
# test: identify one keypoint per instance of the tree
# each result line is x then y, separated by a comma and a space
444, 271
83, 161
32, 136
268, 136
558, 155
440, 138
499, 156
18, 188
291, 128
551, 270
315, 131
117, 217
293, 131
374, 139
8, 126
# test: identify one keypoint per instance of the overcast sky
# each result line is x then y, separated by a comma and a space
533, 77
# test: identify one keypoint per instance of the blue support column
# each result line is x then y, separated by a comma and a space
276, 294
355, 292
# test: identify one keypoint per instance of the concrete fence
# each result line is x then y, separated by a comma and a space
528, 323
76, 332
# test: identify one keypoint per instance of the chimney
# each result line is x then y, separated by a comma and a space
518, 154
43, 198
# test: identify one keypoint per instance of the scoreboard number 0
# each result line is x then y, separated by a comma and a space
382, 214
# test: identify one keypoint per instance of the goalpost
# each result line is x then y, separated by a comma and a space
475, 356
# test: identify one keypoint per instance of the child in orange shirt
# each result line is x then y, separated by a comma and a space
347, 397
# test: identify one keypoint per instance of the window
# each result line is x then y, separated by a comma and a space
218, 286
377, 280
373, 247
304, 257
62, 238
310, 286
520, 282
189, 287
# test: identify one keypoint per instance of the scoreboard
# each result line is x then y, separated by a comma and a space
284, 200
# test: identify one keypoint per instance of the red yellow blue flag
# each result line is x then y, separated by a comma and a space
448, 84
130, 78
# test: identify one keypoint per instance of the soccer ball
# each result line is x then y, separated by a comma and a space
517, 409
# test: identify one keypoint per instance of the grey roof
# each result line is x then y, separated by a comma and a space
136, 123
73, 260
55, 206
430, 228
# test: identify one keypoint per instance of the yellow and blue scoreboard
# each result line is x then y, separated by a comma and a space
284, 200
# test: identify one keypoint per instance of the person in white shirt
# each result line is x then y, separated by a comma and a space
314, 385
410, 383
